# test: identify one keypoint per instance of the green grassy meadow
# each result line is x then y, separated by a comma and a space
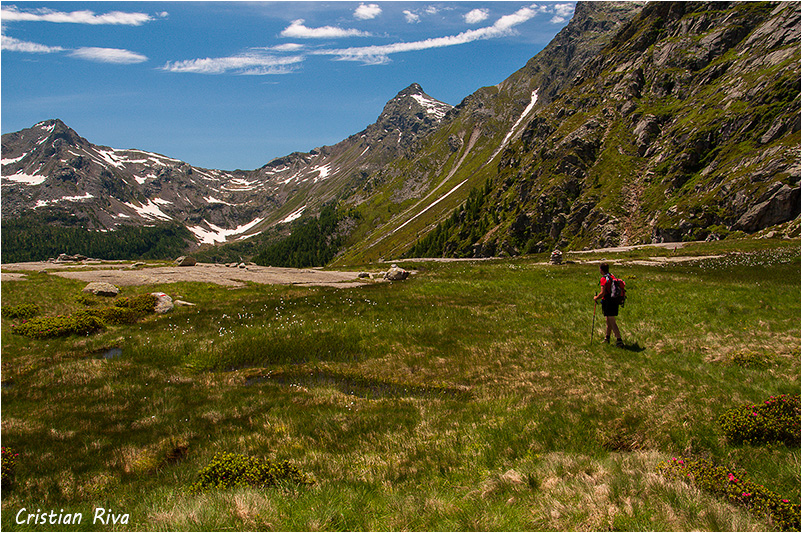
468, 397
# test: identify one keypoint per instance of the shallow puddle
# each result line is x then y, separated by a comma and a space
358, 386
110, 353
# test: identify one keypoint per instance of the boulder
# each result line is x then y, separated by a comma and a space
164, 304
396, 274
66, 258
185, 261
101, 288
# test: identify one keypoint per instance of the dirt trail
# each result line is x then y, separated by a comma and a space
118, 273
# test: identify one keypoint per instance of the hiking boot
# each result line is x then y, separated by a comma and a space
619, 343
607, 339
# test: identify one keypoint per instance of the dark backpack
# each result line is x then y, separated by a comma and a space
616, 289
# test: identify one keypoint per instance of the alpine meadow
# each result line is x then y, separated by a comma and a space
398, 331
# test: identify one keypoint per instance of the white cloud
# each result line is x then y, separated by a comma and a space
411, 17
15, 45
562, 12
367, 11
298, 30
109, 55
249, 63
13, 14
376, 55
476, 16
289, 47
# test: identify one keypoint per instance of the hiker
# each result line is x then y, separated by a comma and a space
609, 305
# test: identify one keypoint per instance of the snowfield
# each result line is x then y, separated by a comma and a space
214, 234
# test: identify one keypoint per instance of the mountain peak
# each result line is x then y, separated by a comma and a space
414, 101
413, 89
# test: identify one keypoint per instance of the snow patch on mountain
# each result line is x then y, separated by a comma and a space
45, 203
26, 179
213, 234
432, 106
150, 210
293, 216
514, 127
446, 195
323, 171
239, 184
213, 200
12, 161
111, 158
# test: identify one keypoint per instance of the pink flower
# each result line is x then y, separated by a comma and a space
786, 501
732, 478
746, 494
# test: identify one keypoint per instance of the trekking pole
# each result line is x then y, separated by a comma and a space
593, 326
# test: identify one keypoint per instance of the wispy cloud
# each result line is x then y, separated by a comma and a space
379, 54
561, 12
299, 31
367, 11
98, 55
13, 14
109, 55
15, 45
253, 63
411, 16
476, 16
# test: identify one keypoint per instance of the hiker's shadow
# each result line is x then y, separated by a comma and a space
633, 347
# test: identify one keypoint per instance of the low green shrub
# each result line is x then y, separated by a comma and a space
142, 303
118, 316
9, 468
703, 474
775, 420
751, 359
21, 311
237, 470
85, 299
125, 311
81, 323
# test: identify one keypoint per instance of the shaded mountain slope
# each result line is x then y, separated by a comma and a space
685, 126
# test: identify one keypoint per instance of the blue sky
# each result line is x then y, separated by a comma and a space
235, 84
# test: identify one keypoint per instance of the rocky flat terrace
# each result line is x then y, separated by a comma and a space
122, 274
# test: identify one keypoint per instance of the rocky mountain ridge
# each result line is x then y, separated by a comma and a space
50, 166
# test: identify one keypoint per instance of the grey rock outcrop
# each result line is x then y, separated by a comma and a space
101, 288
185, 261
164, 303
396, 274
